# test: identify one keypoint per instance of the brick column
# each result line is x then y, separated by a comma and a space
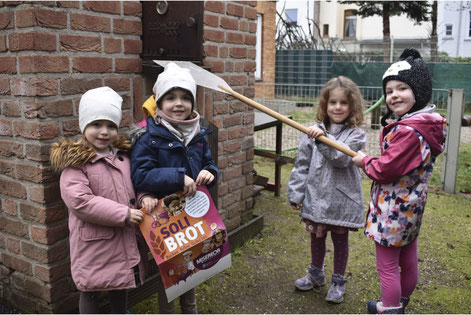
50, 54
229, 48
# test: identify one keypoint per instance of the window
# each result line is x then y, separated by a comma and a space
291, 16
325, 30
350, 24
448, 29
258, 49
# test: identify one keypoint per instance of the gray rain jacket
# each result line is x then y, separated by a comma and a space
326, 182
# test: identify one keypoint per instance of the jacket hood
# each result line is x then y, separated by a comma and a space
429, 124
77, 153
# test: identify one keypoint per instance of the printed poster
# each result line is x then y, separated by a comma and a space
188, 240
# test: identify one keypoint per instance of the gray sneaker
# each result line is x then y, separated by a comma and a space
315, 278
337, 289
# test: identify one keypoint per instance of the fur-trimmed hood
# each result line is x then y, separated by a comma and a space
76, 153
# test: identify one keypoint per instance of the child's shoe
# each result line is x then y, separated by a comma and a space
315, 278
337, 289
376, 307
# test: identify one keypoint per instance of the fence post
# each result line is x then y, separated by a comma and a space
450, 160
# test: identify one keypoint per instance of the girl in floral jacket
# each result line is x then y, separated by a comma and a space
409, 146
96, 186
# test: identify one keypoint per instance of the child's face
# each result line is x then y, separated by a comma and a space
399, 97
338, 106
101, 134
177, 104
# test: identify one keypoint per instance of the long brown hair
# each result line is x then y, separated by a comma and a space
355, 100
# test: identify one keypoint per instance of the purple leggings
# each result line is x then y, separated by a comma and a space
340, 251
395, 284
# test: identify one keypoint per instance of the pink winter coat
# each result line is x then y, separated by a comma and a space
98, 192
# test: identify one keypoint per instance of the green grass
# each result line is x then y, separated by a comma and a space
261, 277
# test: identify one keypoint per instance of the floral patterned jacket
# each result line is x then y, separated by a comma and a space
399, 192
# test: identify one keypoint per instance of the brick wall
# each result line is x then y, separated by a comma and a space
229, 49
50, 54
265, 87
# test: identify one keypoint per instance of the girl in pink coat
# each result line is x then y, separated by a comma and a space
96, 186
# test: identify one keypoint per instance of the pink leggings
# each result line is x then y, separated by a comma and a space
395, 284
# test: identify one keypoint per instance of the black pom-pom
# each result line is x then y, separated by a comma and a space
409, 52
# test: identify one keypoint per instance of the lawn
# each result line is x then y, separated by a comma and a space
261, 277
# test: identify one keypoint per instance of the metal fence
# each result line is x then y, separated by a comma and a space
300, 102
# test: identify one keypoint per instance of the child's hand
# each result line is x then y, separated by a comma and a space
358, 158
314, 132
204, 178
149, 203
189, 188
135, 217
296, 206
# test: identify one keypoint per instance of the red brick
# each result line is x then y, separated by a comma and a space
38, 152
252, 27
37, 130
49, 254
249, 66
118, 83
236, 159
6, 127
68, 4
238, 80
7, 65
91, 23
243, 26
238, 52
46, 194
3, 42
49, 235
216, 66
43, 64
248, 143
210, 50
215, 6
132, 46
113, 7
10, 207
93, 64
231, 173
251, 53
7, 168
5, 86
11, 107
234, 38
238, 66
13, 226
79, 43
41, 109
70, 86
6, 20
44, 215
138, 86
34, 87
220, 109
235, 10
32, 41
236, 133
127, 27
223, 52
70, 127
52, 273
232, 146
34, 173
250, 40
18, 264
112, 45
214, 35
128, 65
41, 17
248, 118
229, 23
132, 8
13, 245
10, 148
251, 13
211, 20
233, 120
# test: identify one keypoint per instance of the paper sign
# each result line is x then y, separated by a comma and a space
188, 240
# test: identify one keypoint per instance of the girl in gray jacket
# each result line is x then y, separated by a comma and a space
326, 186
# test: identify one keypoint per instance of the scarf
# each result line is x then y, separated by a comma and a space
184, 130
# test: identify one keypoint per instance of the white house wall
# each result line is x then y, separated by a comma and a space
457, 14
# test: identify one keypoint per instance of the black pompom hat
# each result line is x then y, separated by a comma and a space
412, 70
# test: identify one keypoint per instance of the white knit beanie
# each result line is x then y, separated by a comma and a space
100, 104
174, 77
